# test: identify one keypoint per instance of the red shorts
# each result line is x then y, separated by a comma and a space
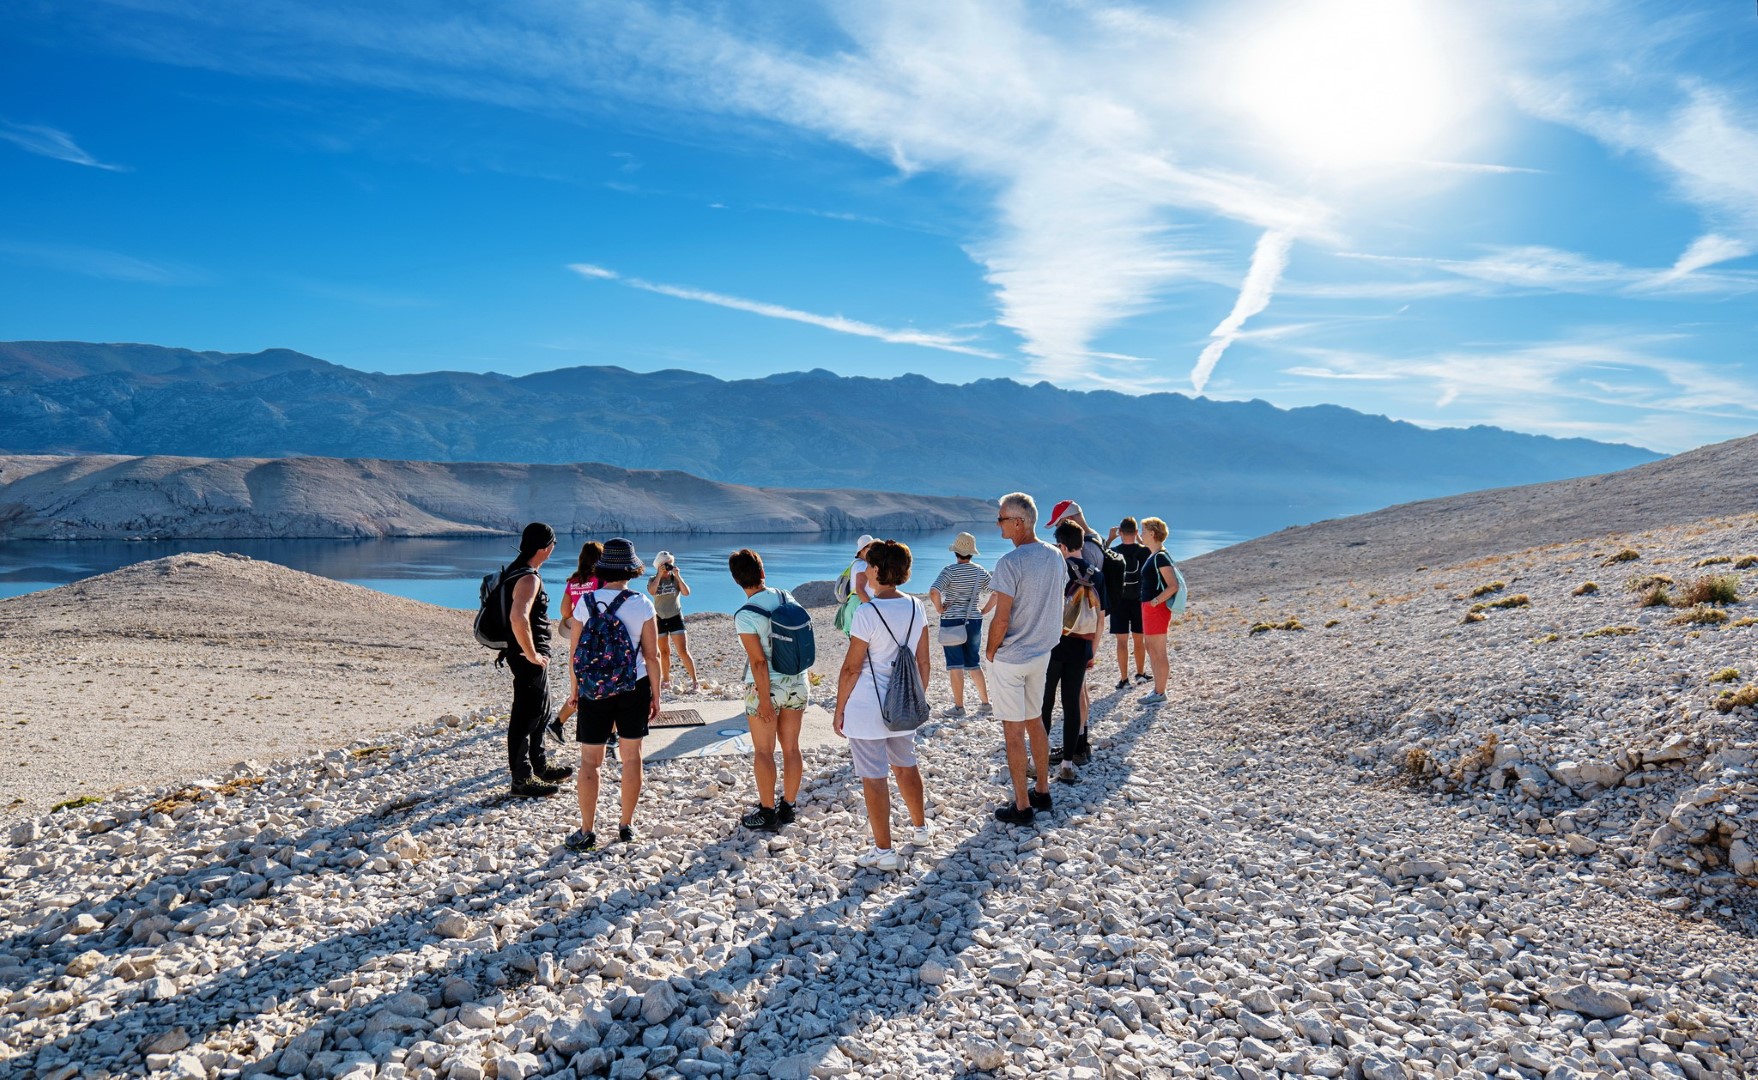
1155, 618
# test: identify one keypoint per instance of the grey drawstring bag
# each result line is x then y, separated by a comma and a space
905, 704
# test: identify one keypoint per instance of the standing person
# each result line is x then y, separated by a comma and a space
775, 704
1027, 624
528, 617
629, 712
1126, 612
668, 588
1159, 584
1093, 551
1073, 655
583, 579
859, 588
957, 594
889, 624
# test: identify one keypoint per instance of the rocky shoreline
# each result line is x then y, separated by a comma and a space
1397, 824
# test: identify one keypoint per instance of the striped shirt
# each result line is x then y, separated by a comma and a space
961, 586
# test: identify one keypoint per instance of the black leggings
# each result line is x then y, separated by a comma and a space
526, 721
1068, 668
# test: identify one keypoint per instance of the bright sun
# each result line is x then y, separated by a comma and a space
1343, 84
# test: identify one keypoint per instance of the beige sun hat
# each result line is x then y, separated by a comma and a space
966, 544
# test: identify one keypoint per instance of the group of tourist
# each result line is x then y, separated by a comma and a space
1046, 606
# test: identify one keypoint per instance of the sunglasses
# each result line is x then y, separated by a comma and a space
1002, 520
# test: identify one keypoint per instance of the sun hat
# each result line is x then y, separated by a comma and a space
619, 558
1065, 508
965, 544
861, 544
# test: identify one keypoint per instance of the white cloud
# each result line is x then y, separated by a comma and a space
837, 323
1267, 263
1545, 269
96, 262
1706, 250
51, 143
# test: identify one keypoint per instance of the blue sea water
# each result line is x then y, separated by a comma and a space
447, 571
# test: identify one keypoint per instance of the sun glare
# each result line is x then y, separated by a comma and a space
1345, 84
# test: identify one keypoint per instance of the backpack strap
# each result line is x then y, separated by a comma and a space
767, 614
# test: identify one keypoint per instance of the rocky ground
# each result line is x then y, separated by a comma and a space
1392, 836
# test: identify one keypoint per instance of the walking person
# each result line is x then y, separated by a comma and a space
583, 579
668, 588
775, 703
1159, 586
616, 680
528, 618
1074, 654
1027, 625
957, 595
853, 588
887, 625
1126, 624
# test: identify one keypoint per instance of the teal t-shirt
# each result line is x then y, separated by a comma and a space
749, 622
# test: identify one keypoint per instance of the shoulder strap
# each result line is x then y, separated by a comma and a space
767, 614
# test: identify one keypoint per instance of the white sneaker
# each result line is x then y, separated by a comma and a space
875, 859
922, 835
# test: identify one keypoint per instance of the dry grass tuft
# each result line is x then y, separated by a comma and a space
1701, 615
1743, 698
1714, 589
1645, 582
1418, 763
1626, 555
1290, 623
1744, 621
1472, 616
1485, 590
1332, 622
1746, 562
1546, 639
1656, 597
75, 804
1610, 631
368, 751
1714, 560
1587, 588
1726, 674
1481, 758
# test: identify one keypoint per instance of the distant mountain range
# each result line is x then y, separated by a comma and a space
103, 497
1191, 458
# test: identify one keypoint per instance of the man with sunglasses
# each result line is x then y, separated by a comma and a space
1027, 625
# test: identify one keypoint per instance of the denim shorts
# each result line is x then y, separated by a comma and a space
970, 654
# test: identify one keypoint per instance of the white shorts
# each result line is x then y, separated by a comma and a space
1016, 691
874, 758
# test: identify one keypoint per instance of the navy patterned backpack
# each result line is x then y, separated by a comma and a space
604, 661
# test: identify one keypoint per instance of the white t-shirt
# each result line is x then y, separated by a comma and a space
855, 570
861, 718
634, 613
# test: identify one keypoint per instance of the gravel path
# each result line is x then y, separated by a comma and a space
1263, 879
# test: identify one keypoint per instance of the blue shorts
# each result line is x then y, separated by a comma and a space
970, 654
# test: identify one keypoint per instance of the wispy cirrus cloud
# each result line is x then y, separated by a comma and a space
1546, 269
1267, 263
838, 323
98, 263
51, 143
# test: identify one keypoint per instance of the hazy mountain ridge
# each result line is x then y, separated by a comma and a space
800, 429
94, 497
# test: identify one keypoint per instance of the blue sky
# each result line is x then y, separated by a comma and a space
1540, 214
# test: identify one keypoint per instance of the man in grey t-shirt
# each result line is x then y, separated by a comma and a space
1027, 585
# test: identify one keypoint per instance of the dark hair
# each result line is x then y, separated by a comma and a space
1128, 526
588, 568
890, 562
747, 568
1070, 535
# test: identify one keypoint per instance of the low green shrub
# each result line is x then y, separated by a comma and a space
1714, 589
1610, 631
1743, 698
1726, 674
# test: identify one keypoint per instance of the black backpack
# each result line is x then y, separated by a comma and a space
1116, 574
494, 623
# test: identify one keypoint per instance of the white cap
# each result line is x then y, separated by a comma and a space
663, 558
862, 542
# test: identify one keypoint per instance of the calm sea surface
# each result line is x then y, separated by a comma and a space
447, 572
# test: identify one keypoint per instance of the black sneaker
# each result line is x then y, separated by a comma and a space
555, 731
582, 841
1142, 676
784, 812
625, 834
1040, 801
552, 774
1013, 815
763, 819
1123, 684
1056, 755
531, 789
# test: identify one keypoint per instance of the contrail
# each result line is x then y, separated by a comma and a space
1267, 263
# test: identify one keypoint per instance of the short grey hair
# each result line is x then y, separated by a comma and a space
1023, 505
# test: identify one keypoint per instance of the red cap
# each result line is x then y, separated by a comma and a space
1062, 509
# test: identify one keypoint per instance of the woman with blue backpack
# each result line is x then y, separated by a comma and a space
614, 677
881, 699
779, 649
